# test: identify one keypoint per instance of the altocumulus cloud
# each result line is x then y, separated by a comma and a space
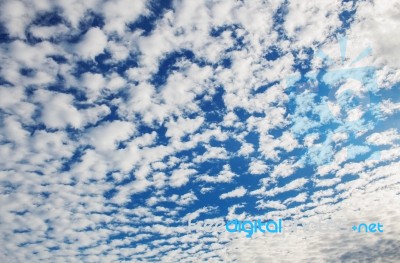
122, 120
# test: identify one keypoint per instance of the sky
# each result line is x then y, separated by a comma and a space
123, 122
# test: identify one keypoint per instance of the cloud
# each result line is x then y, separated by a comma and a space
182, 127
387, 108
105, 136
261, 204
16, 16
270, 146
285, 169
300, 198
93, 83
246, 149
258, 167
379, 32
307, 23
180, 177
212, 153
224, 176
293, 185
49, 32
383, 138
58, 110
92, 44
238, 192
119, 13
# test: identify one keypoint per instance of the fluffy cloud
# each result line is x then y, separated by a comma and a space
105, 136
257, 167
383, 138
58, 111
377, 23
181, 177
119, 13
92, 44
225, 176
238, 192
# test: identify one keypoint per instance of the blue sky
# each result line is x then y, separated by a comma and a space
122, 120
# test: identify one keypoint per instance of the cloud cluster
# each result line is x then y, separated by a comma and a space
121, 120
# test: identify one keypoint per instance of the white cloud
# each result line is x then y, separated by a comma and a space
92, 44
74, 11
225, 176
261, 204
383, 138
354, 114
181, 127
193, 215
93, 83
20, 55
159, 180
388, 107
340, 137
246, 149
16, 16
115, 82
187, 199
238, 192
105, 136
212, 153
284, 169
230, 119
180, 177
308, 23
296, 184
258, 167
300, 198
205, 190
119, 13
376, 23
118, 51
49, 32
270, 146
323, 193
58, 110
13, 131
